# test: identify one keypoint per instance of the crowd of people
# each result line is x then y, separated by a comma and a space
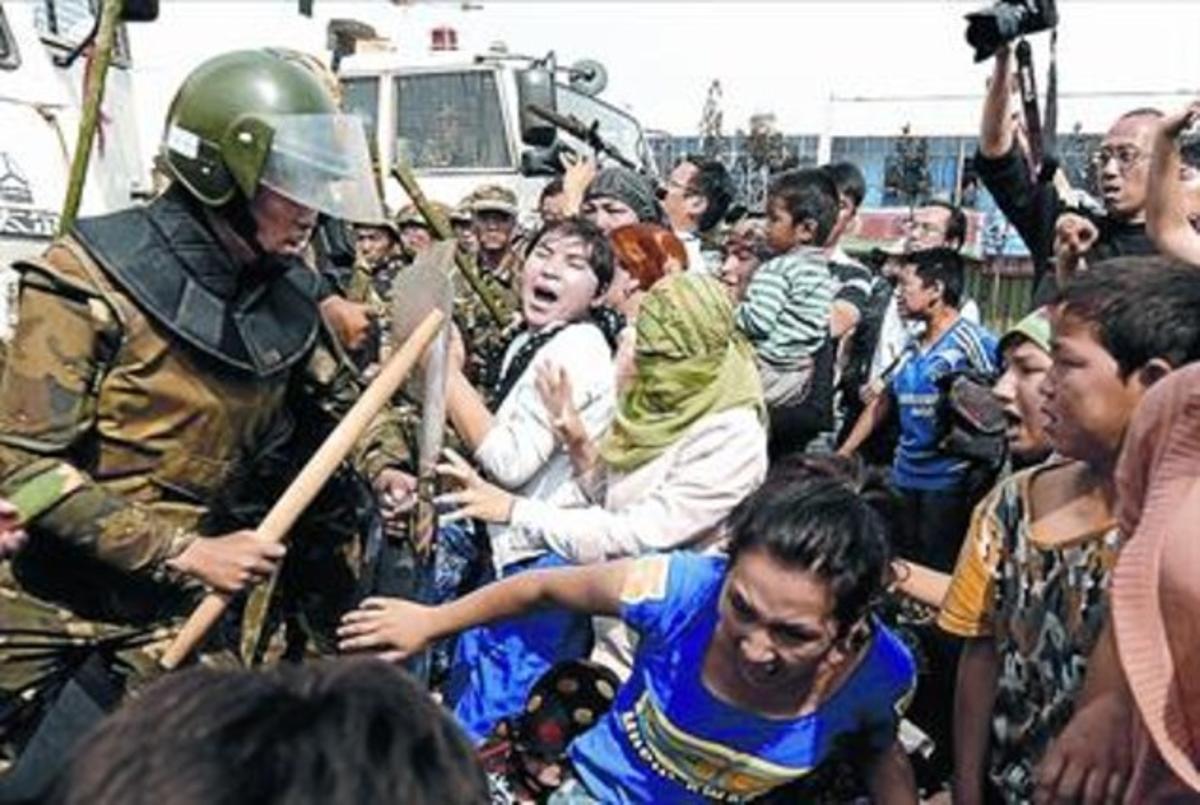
728, 513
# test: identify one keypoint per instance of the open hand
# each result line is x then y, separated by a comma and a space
392, 627
578, 173
554, 387
477, 498
12, 536
1090, 760
230, 563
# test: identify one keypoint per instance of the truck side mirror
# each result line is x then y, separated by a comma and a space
139, 10
536, 85
540, 162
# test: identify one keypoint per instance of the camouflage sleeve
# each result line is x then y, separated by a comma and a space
49, 384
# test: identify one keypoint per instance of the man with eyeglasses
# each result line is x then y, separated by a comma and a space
695, 198
1054, 234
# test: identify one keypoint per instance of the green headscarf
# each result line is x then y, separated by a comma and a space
690, 362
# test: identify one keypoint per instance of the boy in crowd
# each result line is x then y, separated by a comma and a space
1028, 594
936, 487
932, 483
1025, 358
785, 312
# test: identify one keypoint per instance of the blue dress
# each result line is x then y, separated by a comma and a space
495, 666
667, 739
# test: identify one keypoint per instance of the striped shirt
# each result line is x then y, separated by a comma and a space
785, 313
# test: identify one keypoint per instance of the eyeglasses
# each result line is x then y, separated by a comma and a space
1126, 156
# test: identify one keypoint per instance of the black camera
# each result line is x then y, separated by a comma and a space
992, 28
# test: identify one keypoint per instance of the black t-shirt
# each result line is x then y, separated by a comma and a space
1033, 209
854, 284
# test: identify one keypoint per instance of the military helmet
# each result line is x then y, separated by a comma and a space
252, 117
409, 215
494, 198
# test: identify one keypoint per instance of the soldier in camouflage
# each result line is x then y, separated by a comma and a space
160, 353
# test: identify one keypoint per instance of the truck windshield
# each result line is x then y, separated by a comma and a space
360, 96
451, 121
616, 127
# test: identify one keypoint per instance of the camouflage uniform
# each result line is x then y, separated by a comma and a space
134, 443
485, 339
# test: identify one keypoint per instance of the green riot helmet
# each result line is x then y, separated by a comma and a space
250, 117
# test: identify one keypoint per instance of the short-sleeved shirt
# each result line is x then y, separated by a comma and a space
1044, 605
668, 739
920, 463
854, 280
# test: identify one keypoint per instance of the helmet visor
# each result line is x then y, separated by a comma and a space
322, 162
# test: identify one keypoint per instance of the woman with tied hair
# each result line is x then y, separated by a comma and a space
753, 669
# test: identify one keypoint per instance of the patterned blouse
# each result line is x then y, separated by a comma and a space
1043, 602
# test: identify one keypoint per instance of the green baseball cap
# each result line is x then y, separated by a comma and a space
1035, 328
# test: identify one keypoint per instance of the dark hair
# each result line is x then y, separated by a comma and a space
332, 731
849, 181
1140, 308
815, 513
600, 253
807, 195
716, 185
956, 226
553, 187
944, 265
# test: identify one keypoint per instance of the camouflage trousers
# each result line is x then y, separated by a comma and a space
42, 646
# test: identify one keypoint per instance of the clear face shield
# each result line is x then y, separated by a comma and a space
322, 161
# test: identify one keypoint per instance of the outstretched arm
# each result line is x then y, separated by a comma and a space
997, 130
398, 629
1166, 212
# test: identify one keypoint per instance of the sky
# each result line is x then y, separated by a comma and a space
817, 66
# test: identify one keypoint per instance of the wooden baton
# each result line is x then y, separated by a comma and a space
302, 491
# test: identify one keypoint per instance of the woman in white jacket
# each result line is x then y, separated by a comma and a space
686, 445
567, 271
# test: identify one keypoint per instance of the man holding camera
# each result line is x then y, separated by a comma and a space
1051, 228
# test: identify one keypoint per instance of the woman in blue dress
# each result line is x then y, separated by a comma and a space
752, 667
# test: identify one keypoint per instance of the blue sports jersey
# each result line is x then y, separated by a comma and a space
667, 739
919, 464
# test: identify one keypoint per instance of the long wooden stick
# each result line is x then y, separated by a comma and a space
110, 18
302, 491
443, 231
